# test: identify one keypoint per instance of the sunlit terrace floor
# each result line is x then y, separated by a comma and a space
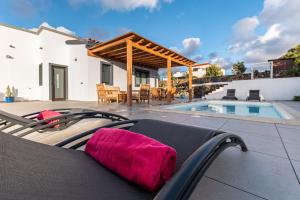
269, 170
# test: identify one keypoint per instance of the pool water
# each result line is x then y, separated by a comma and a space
254, 109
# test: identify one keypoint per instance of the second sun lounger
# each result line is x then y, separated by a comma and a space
230, 95
253, 95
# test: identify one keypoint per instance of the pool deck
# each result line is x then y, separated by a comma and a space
269, 170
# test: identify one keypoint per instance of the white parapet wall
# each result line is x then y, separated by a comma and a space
270, 89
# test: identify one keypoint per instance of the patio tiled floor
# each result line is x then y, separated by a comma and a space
267, 171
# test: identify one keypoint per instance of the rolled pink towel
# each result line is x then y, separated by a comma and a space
133, 156
46, 114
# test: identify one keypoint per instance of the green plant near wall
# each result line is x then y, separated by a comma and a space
296, 98
238, 68
213, 70
8, 92
294, 53
294, 71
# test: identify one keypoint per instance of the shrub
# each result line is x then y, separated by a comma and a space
296, 98
238, 68
213, 70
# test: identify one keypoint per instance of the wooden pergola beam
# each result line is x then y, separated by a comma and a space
157, 53
140, 41
114, 51
120, 54
101, 48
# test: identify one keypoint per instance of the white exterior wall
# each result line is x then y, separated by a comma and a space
48, 47
19, 71
270, 89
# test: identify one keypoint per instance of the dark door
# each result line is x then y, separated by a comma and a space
58, 80
107, 74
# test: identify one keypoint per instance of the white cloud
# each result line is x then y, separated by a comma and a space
122, 5
190, 46
224, 63
59, 28
279, 19
122, 31
245, 28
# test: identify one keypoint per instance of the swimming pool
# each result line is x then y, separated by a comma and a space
251, 109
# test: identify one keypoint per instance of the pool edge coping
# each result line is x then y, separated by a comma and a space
290, 121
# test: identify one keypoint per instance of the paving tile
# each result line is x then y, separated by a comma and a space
293, 149
296, 165
266, 176
205, 122
288, 126
263, 144
292, 134
251, 127
209, 189
164, 116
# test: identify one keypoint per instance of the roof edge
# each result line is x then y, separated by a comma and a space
40, 29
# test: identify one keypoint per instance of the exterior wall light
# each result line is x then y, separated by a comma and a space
9, 57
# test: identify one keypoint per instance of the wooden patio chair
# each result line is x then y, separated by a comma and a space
143, 94
112, 94
101, 92
154, 93
162, 94
173, 92
107, 93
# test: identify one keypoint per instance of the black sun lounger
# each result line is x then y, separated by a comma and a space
35, 171
14, 124
253, 95
230, 95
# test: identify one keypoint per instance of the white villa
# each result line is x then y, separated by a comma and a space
199, 70
52, 65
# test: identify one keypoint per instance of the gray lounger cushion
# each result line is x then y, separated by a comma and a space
30, 170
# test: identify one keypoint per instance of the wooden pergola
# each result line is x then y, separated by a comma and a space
134, 49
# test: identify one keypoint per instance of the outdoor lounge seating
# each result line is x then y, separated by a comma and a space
143, 94
253, 95
37, 171
26, 124
155, 94
230, 95
107, 94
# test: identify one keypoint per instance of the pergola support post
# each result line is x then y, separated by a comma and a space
190, 83
271, 70
129, 71
169, 81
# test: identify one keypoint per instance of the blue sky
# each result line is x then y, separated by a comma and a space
216, 31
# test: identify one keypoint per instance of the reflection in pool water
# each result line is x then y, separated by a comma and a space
232, 108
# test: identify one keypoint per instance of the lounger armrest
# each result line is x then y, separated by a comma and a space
67, 119
185, 180
84, 134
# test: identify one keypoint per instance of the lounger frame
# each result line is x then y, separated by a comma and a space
68, 118
185, 180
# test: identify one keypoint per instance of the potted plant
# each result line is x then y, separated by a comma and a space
9, 96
